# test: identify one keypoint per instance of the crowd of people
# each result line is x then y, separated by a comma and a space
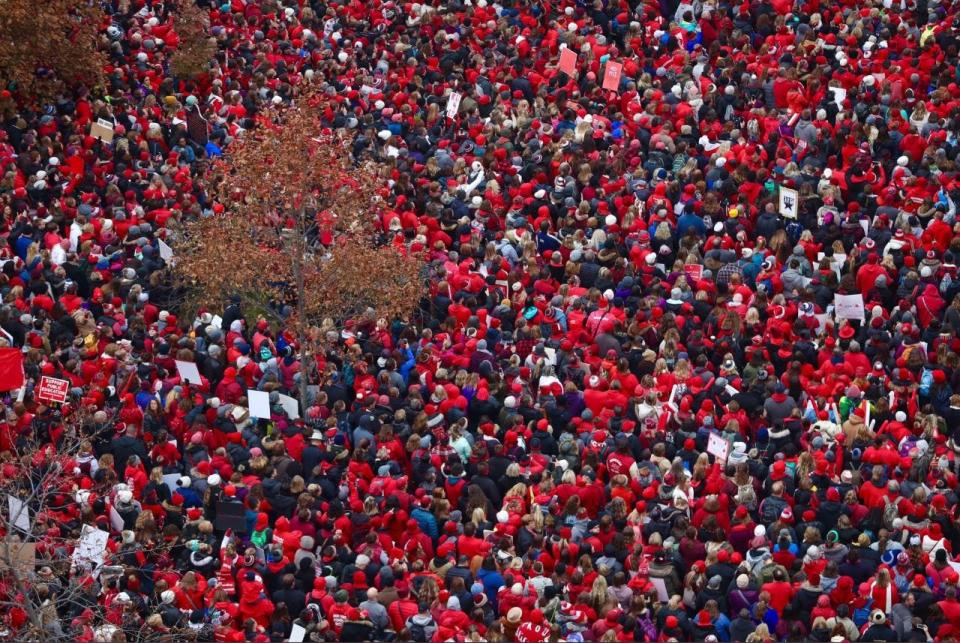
686, 366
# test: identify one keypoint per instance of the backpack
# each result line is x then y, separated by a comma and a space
926, 381
657, 525
645, 625
747, 491
946, 284
794, 230
861, 615
890, 512
418, 632
771, 508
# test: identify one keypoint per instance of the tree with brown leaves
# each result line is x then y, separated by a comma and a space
195, 47
296, 237
46, 47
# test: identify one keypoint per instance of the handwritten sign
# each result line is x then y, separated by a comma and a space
718, 447
453, 104
102, 129
848, 307
91, 547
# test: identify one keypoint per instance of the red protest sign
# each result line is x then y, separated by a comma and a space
53, 390
611, 76
694, 271
568, 62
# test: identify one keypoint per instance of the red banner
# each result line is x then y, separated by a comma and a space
11, 369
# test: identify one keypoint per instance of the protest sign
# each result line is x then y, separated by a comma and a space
170, 479
290, 406
568, 62
662, 594
19, 515
848, 307
19, 555
789, 203
694, 271
718, 447
189, 372
90, 548
611, 76
231, 515
52, 389
102, 129
453, 104
166, 252
259, 404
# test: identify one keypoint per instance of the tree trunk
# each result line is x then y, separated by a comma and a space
304, 356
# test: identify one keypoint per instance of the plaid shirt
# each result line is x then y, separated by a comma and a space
728, 270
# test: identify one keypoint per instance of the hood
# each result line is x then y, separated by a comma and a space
422, 619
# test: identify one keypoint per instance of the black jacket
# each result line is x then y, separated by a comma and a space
126, 446
879, 633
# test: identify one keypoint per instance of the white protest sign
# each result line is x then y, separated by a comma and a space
166, 252
839, 95
189, 372
19, 514
116, 520
453, 104
297, 634
848, 307
90, 548
170, 479
836, 262
789, 203
259, 404
671, 402
718, 447
661, 586
821, 323
290, 406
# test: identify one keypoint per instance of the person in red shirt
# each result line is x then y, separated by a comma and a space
780, 589
402, 608
255, 604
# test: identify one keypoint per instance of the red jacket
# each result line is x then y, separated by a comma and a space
400, 610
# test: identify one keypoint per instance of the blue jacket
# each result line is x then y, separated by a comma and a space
687, 221
426, 521
492, 582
